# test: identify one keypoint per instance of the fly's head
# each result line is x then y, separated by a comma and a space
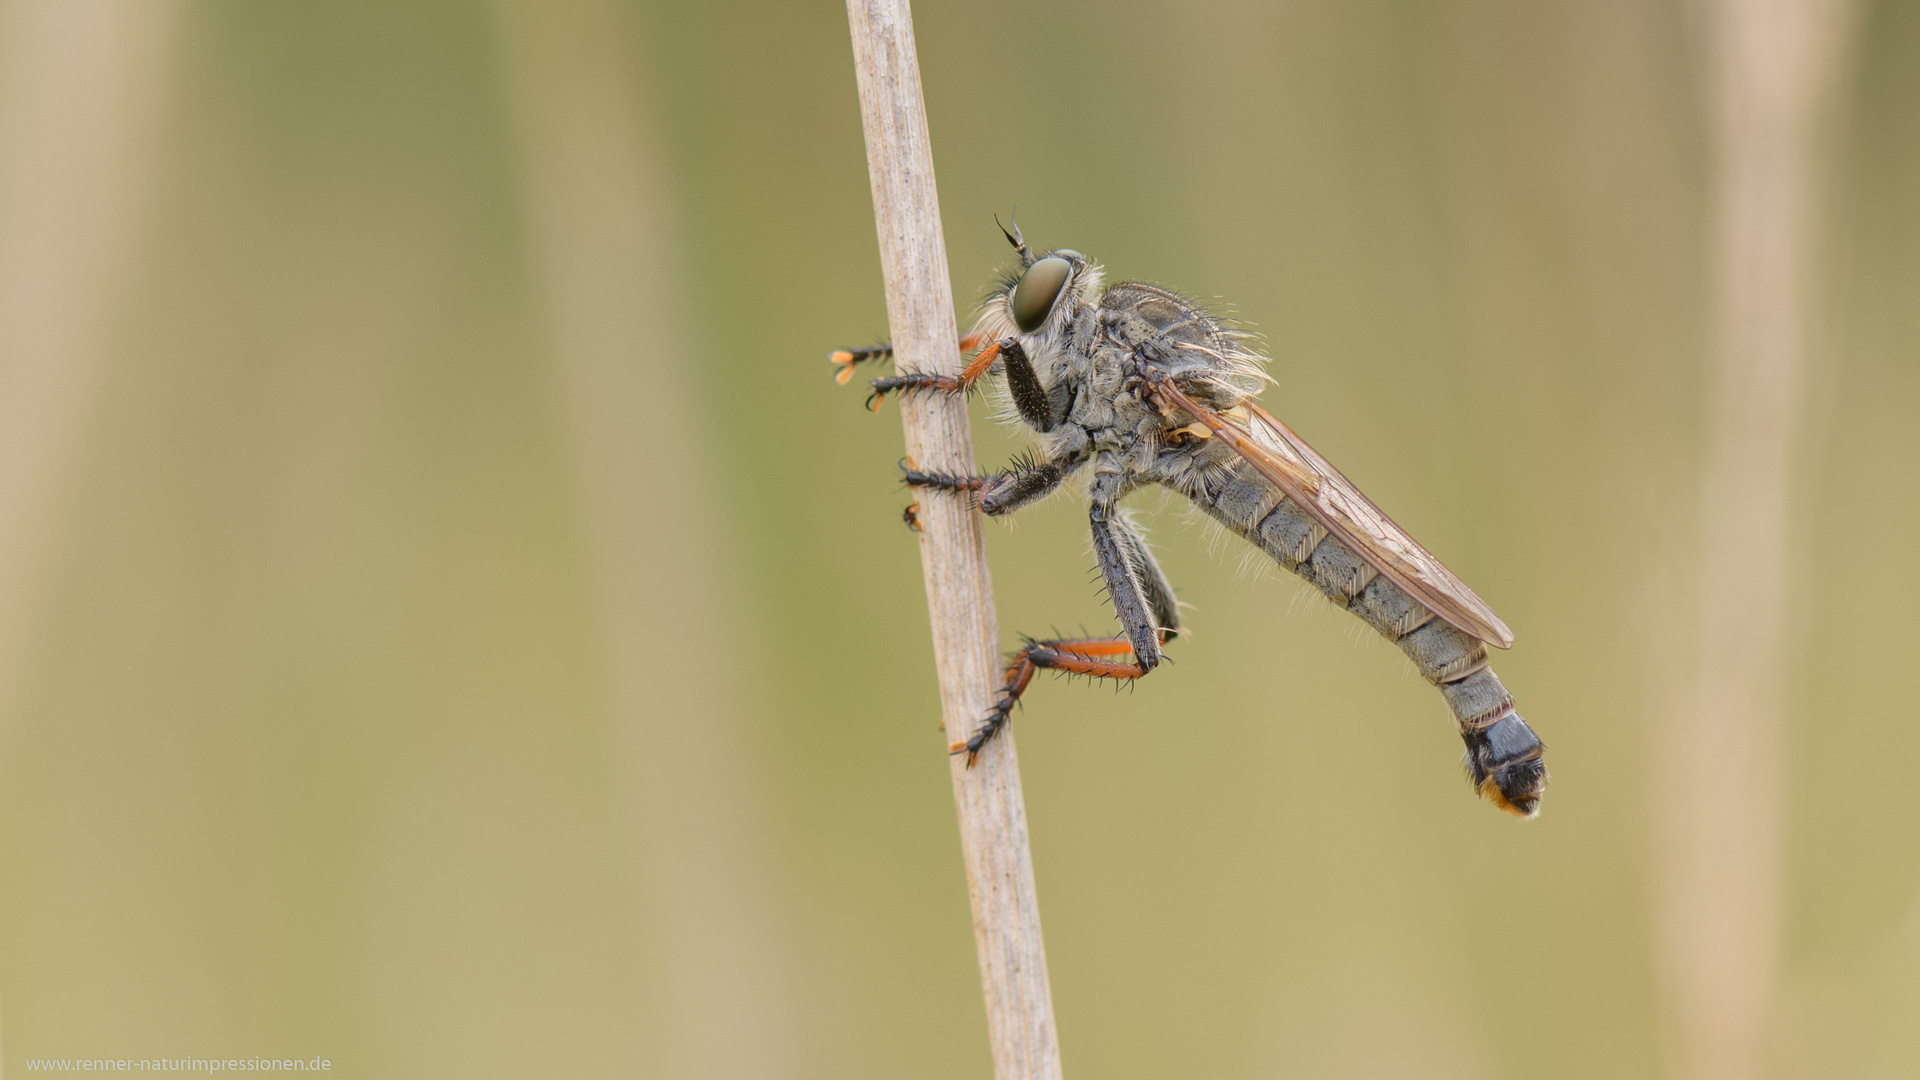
1041, 300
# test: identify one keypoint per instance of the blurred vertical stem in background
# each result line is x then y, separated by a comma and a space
1773, 65
82, 84
590, 161
993, 816
82, 89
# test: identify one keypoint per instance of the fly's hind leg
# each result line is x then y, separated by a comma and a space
1141, 597
1075, 656
1138, 590
1155, 589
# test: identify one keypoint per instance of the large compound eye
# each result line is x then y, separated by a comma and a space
1033, 298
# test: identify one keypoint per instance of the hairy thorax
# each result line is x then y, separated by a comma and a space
1112, 406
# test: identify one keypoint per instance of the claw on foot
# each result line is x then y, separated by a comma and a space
848, 359
845, 360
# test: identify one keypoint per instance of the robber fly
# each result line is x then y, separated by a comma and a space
1138, 385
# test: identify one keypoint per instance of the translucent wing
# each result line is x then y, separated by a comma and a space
1338, 507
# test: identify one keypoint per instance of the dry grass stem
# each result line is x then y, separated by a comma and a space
993, 820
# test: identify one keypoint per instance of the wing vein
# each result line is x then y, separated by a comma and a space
1337, 506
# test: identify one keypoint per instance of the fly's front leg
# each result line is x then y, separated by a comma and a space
848, 359
1075, 656
1042, 408
950, 384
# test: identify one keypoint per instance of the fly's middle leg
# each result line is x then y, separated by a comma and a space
939, 481
1019, 484
1075, 656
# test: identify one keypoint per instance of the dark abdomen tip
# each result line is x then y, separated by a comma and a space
1503, 759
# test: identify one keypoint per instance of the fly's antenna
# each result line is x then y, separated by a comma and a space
1019, 242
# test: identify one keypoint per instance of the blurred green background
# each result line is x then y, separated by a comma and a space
469, 633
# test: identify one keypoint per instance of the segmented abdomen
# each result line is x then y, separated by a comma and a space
1503, 754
